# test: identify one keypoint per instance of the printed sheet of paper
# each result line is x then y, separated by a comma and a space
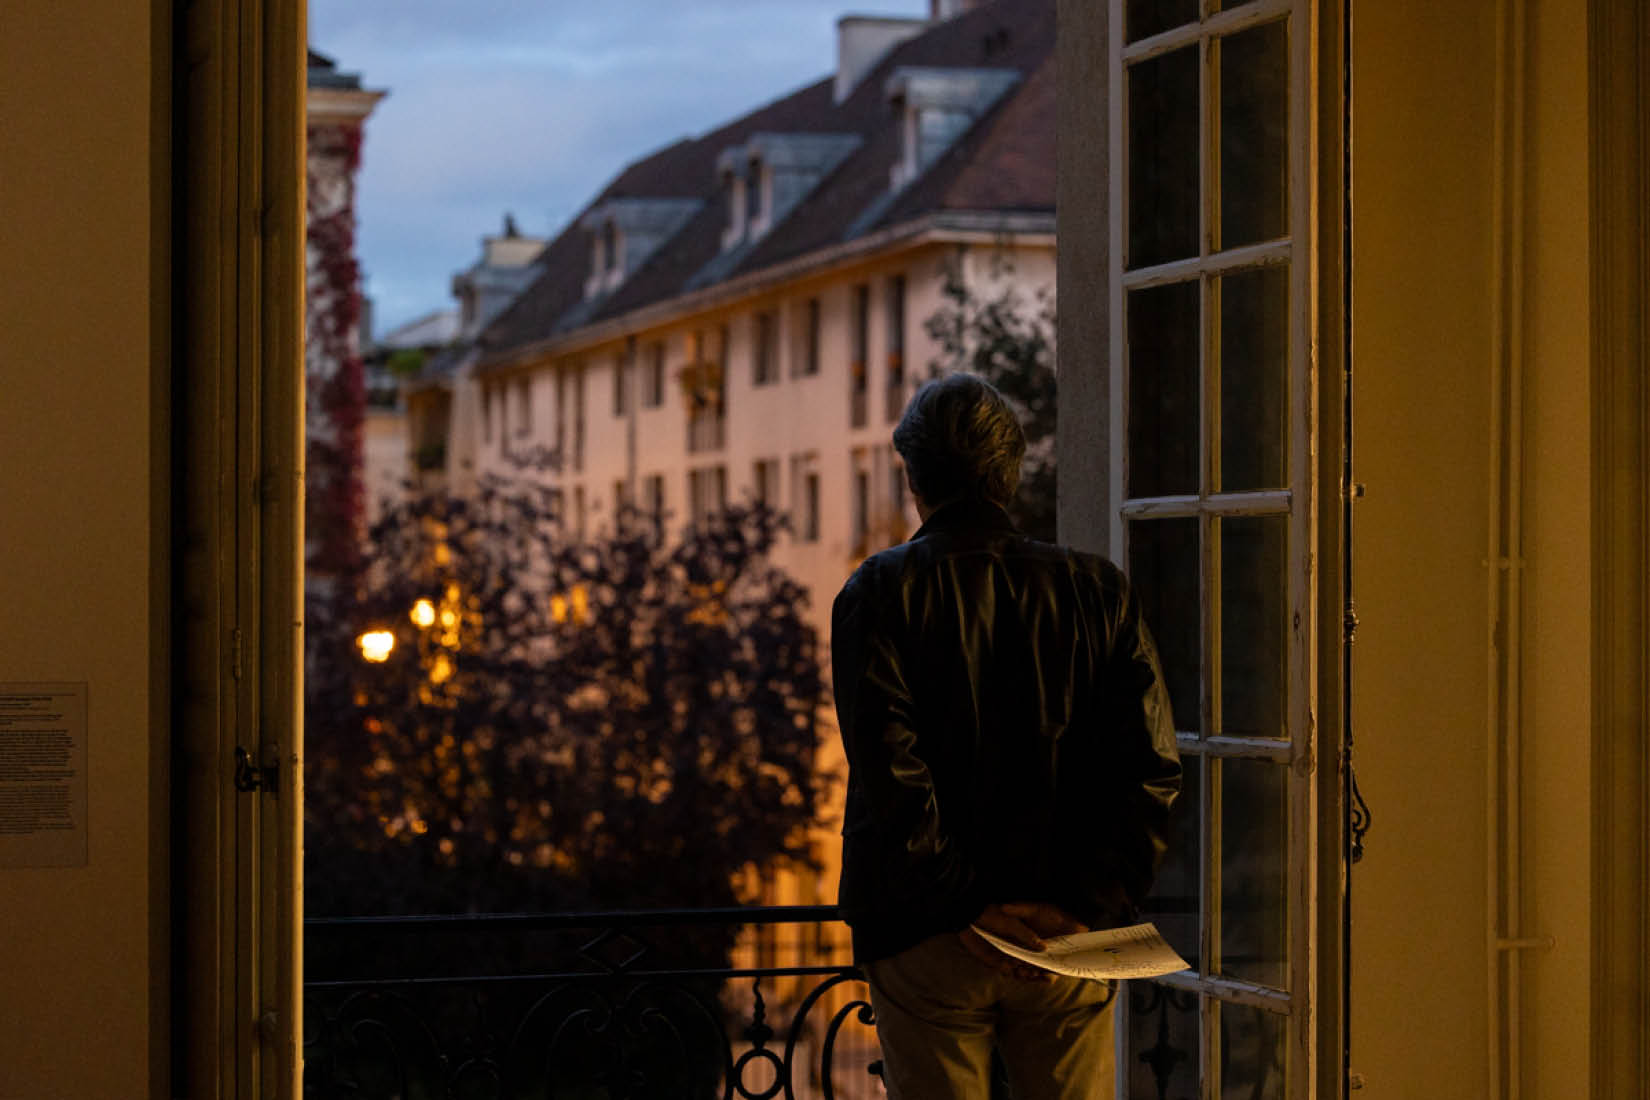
1137, 951
43, 775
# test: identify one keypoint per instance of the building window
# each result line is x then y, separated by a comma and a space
578, 418
487, 414
653, 378
753, 193
766, 476
610, 245
896, 348
578, 513
524, 408
704, 379
805, 497
621, 504
765, 347
810, 506
811, 338
1215, 484
562, 434
860, 507
653, 499
859, 383
707, 493
621, 394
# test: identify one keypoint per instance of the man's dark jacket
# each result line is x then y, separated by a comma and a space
1007, 729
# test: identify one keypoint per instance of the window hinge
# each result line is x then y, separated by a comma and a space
235, 654
251, 777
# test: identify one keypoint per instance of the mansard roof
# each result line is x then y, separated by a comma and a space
1003, 164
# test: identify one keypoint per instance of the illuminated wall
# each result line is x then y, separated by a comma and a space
80, 307
1430, 256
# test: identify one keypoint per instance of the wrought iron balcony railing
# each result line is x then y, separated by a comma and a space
722, 1004
656, 1004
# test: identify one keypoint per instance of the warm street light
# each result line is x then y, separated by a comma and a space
423, 613
376, 645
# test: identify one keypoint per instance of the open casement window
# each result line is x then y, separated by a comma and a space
1213, 474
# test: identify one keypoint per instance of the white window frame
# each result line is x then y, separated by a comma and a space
1299, 501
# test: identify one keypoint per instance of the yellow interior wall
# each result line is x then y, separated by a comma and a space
76, 300
1424, 266
1422, 133
1556, 665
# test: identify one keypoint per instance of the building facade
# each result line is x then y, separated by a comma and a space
742, 316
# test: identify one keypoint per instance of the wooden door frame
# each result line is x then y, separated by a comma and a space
1619, 116
238, 244
1090, 419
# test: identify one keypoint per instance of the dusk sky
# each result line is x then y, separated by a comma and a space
530, 107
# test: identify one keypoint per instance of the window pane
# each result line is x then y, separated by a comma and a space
1251, 1053
1254, 606
1164, 407
1149, 17
1254, 370
1163, 161
1163, 1042
1164, 571
1173, 903
1254, 124
1254, 824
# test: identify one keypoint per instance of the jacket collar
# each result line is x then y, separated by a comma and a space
967, 514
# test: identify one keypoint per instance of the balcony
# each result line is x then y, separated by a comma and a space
750, 1002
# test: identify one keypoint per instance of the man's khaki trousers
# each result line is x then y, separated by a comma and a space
940, 1010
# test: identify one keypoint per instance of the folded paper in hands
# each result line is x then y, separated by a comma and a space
1137, 951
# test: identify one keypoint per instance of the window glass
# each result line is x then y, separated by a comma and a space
1163, 158
1164, 573
1254, 825
1254, 627
1254, 134
1145, 18
1165, 418
1254, 371
1252, 1055
1173, 903
1164, 1028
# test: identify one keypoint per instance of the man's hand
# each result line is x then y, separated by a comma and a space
1024, 923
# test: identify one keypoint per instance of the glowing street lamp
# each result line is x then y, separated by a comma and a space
422, 613
376, 645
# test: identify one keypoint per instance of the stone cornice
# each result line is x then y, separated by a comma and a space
946, 227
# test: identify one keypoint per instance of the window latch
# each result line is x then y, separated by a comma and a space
250, 777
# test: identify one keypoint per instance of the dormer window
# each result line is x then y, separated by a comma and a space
625, 232
753, 195
935, 107
767, 176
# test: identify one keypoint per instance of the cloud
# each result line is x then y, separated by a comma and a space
499, 105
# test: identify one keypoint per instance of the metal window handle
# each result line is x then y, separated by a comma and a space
251, 777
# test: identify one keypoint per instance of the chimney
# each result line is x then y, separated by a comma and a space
864, 40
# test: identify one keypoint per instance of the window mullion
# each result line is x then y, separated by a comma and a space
1209, 926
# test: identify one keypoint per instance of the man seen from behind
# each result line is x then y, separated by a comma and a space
1012, 764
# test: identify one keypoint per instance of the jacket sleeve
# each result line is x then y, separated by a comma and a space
1140, 761
1146, 743
921, 869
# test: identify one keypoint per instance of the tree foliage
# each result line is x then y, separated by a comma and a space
1007, 339
627, 721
